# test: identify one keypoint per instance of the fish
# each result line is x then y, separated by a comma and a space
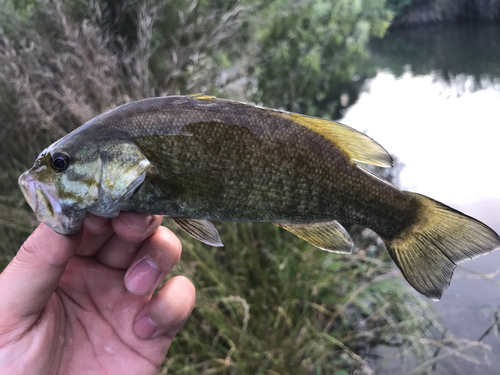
199, 159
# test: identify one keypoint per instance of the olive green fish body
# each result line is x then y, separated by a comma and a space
224, 172
199, 158
226, 161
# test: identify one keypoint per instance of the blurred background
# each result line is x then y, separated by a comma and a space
422, 77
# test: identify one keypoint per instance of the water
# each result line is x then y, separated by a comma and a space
435, 103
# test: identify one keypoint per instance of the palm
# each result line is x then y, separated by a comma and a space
98, 314
89, 322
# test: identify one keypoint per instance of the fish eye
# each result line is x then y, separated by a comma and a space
59, 162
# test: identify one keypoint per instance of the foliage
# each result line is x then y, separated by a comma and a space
311, 48
400, 7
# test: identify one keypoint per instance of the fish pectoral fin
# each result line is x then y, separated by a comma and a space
203, 230
329, 235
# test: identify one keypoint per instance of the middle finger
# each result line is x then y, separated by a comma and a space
131, 229
154, 261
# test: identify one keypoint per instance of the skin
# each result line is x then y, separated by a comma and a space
84, 304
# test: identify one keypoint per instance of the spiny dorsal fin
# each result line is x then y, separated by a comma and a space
202, 230
201, 96
358, 146
329, 236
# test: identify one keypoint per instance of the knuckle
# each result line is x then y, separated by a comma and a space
170, 241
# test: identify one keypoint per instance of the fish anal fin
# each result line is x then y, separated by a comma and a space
428, 252
329, 236
203, 230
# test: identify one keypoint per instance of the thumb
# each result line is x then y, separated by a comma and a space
31, 278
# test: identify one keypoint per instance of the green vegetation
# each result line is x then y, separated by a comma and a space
401, 7
267, 302
312, 49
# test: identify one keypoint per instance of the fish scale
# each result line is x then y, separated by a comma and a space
199, 158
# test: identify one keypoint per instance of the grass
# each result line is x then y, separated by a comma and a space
270, 303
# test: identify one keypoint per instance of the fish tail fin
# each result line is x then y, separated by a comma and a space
428, 252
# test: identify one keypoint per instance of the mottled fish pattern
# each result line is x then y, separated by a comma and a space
199, 158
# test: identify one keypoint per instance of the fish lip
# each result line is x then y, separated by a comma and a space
44, 201
64, 224
42, 197
28, 186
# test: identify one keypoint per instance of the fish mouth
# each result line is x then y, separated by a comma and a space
44, 201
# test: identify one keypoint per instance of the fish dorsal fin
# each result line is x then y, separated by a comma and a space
329, 236
203, 230
358, 146
201, 96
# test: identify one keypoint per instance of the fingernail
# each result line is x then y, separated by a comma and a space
100, 221
137, 222
143, 277
145, 328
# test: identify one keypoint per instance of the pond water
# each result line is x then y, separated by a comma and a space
435, 104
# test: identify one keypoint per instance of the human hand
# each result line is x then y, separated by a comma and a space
84, 304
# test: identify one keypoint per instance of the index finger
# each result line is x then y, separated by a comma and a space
135, 227
126, 229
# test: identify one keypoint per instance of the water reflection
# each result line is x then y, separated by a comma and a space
446, 133
435, 103
472, 50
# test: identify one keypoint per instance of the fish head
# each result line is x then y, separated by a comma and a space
75, 176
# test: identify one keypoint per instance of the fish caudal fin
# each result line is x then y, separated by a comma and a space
428, 252
329, 236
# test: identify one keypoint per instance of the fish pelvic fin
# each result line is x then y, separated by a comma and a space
329, 236
203, 230
428, 252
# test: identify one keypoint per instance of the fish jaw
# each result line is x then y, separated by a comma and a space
44, 201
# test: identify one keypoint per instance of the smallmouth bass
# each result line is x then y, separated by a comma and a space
199, 158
